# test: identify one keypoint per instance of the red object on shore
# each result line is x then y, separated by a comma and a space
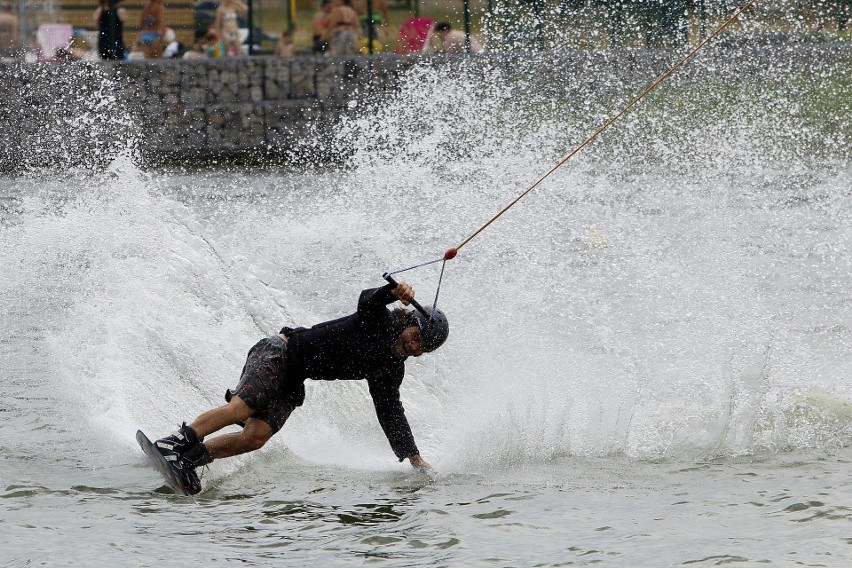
415, 35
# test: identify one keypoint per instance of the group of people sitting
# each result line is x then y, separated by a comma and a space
339, 28
157, 40
345, 27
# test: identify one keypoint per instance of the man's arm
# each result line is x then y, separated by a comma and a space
372, 302
391, 415
420, 464
375, 298
386, 294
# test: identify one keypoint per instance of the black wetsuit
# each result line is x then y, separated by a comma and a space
359, 346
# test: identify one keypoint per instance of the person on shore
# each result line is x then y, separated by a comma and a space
227, 25
214, 47
9, 32
173, 48
153, 24
285, 47
449, 40
372, 22
197, 50
343, 28
319, 26
110, 24
372, 344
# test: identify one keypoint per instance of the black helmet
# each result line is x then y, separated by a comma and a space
434, 330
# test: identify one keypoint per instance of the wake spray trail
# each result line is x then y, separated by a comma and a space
451, 253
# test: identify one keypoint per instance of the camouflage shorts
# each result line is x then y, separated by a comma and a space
263, 385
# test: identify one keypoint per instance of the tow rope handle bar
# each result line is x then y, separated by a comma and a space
413, 302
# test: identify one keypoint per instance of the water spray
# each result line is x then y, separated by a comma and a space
453, 251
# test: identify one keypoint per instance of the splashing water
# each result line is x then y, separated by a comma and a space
677, 291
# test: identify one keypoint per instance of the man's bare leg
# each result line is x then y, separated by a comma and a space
252, 437
234, 412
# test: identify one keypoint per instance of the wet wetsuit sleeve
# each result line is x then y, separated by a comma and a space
391, 414
372, 302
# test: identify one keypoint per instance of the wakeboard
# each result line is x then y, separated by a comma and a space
170, 474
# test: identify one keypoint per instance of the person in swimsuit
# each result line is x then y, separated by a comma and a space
227, 26
372, 344
343, 28
153, 23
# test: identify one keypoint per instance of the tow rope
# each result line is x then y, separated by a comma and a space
452, 252
428, 314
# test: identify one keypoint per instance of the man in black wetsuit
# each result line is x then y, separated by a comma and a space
372, 344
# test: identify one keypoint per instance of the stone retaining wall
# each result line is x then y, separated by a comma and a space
183, 110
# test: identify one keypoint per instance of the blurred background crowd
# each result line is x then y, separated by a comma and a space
137, 29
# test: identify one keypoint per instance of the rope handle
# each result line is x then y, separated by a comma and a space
449, 255
413, 302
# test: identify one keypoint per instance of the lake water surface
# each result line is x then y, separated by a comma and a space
650, 359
